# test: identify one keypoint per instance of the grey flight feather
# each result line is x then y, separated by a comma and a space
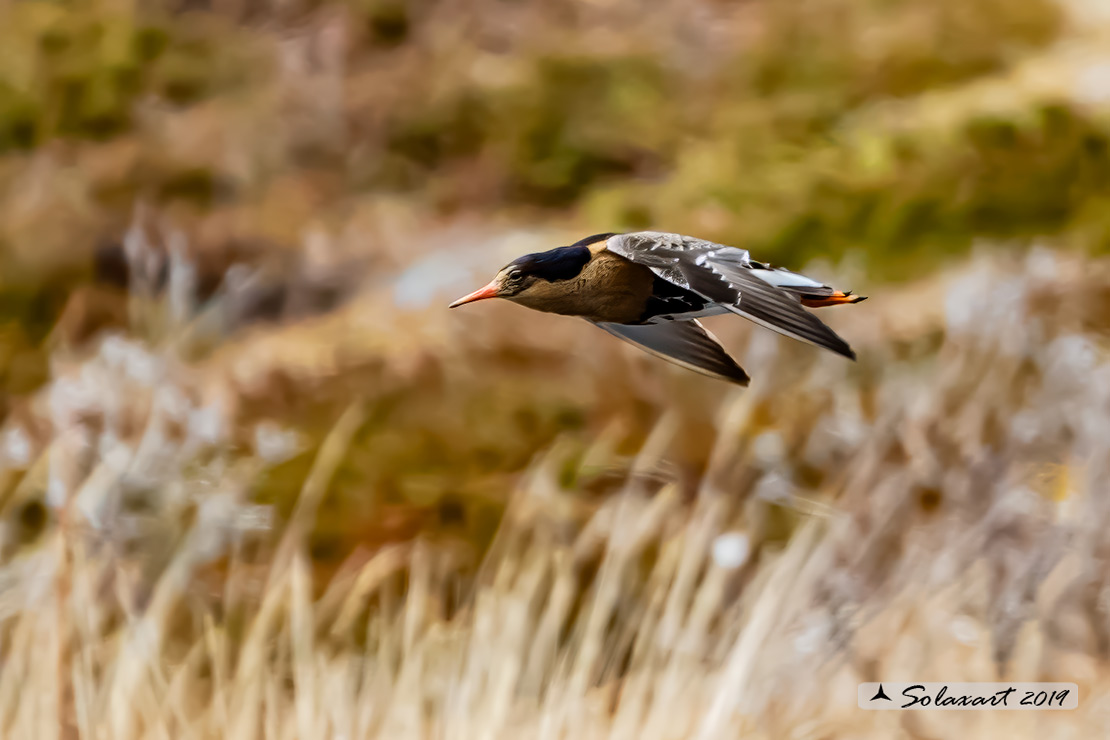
685, 343
745, 294
724, 275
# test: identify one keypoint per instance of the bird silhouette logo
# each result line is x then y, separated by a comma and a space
880, 694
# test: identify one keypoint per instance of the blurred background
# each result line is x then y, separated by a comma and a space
257, 481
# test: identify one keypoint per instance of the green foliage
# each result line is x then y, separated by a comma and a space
848, 51
903, 201
76, 70
387, 22
787, 164
581, 120
765, 141
777, 140
570, 123
195, 185
26, 317
488, 428
756, 136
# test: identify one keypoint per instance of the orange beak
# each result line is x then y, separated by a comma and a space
489, 291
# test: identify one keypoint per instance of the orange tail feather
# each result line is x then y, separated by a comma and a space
832, 300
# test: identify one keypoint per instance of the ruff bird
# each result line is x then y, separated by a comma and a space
650, 288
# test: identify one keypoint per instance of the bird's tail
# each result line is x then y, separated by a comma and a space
834, 299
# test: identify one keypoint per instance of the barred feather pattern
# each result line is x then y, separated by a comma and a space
727, 276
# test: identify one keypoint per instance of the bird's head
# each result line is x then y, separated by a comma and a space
533, 274
510, 281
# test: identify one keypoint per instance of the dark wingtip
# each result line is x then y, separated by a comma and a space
843, 349
737, 376
840, 347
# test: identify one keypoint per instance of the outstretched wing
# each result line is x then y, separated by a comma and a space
685, 343
725, 276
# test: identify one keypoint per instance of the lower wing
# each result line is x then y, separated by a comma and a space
685, 343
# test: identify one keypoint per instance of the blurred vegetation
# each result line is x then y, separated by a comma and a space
756, 129
77, 69
789, 128
227, 224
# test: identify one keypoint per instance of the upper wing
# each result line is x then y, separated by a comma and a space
685, 343
666, 253
791, 282
724, 275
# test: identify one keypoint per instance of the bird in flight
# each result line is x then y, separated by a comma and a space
650, 288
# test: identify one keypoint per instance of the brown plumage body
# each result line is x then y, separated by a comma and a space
650, 288
610, 288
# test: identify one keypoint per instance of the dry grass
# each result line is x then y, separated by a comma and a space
935, 512
255, 481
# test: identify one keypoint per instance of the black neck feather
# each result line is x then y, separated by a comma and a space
593, 239
562, 263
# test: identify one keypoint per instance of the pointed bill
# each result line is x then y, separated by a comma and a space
487, 291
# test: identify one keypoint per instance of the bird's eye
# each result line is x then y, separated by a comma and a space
515, 275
